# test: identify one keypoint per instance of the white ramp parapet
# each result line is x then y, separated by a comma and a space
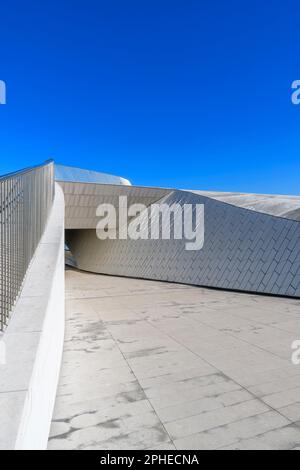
33, 343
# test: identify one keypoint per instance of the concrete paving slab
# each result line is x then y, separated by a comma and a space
155, 365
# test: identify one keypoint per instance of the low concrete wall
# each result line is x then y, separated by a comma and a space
33, 343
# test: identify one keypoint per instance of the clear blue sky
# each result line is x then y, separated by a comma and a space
190, 94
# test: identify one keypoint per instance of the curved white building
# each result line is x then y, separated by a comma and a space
252, 242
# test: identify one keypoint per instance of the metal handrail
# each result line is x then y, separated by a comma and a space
25, 170
26, 198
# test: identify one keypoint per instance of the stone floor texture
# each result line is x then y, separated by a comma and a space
153, 365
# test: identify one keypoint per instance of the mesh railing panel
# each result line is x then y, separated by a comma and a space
25, 202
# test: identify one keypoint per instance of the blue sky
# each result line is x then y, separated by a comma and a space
190, 94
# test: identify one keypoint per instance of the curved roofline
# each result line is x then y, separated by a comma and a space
92, 173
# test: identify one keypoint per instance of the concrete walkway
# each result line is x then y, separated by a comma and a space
152, 365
